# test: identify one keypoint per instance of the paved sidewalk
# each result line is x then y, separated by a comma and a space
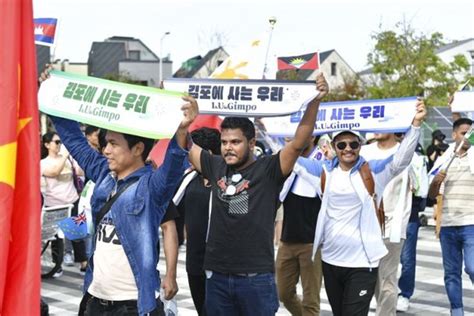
64, 294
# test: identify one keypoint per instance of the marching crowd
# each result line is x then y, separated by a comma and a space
349, 204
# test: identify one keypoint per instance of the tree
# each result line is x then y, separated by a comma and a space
405, 64
351, 89
124, 77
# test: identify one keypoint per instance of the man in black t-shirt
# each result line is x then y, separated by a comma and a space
239, 259
301, 205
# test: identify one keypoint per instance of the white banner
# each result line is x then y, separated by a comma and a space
245, 97
383, 116
463, 101
125, 108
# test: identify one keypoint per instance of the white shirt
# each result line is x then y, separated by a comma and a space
342, 243
391, 195
113, 278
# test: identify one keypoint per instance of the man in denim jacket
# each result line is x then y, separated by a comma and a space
122, 276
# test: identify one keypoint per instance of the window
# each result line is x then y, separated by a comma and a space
333, 69
134, 55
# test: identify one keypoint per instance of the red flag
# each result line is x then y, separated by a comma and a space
19, 163
158, 151
205, 120
157, 154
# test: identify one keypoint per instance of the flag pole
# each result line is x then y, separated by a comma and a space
273, 145
56, 34
52, 56
272, 20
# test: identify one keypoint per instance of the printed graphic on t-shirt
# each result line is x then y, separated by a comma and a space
106, 232
112, 277
233, 190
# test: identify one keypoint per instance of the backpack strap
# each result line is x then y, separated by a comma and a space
367, 178
369, 184
323, 181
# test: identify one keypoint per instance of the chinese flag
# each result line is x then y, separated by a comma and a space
19, 163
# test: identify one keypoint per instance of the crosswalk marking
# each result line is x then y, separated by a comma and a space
64, 294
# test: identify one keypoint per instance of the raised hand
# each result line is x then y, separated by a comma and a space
322, 86
190, 111
45, 73
420, 113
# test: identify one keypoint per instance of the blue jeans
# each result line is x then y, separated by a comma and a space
230, 294
456, 241
406, 283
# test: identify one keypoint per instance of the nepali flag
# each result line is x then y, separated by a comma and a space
45, 30
307, 61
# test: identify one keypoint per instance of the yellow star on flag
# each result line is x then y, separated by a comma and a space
8, 157
8, 151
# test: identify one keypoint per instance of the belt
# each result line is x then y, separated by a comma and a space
114, 303
246, 275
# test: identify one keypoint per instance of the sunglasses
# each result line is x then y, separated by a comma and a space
352, 145
58, 142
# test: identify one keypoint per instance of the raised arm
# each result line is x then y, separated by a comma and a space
195, 157
388, 168
88, 159
166, 178
55, 169
190, 112
293, 149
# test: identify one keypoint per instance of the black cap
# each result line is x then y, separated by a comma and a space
437, 134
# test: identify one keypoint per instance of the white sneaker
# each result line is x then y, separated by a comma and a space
68, 260
373, 303
402, 304
58, 273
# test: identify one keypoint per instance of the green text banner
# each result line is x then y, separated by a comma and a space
125, 108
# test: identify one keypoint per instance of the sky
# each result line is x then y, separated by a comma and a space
303, 26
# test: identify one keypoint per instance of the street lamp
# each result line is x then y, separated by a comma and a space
272, 20
161, 56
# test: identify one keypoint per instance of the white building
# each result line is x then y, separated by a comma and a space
119, 55
202, 67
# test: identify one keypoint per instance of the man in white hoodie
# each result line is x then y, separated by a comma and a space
348, 230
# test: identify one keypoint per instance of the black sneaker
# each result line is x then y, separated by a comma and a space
82, 271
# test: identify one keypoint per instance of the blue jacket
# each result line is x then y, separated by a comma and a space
137, 213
